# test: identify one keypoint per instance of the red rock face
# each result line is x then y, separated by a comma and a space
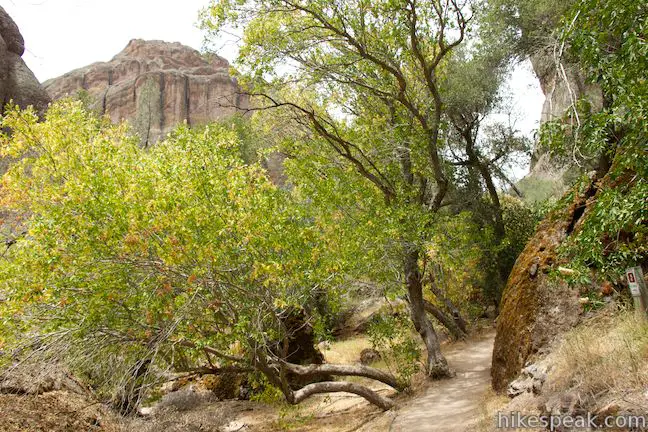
156, 85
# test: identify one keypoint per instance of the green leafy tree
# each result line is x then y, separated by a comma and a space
181, 255
481, 151
366, 78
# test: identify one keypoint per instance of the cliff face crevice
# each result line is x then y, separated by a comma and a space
155, 85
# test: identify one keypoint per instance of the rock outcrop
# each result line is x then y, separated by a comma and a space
18, 85
155, 85
17, 82
563, 84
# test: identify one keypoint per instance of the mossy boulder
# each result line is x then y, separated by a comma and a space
536, 306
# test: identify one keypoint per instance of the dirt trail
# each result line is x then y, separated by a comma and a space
452, 405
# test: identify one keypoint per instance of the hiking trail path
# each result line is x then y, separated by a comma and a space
452, 405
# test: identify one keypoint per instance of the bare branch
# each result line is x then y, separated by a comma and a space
345, 370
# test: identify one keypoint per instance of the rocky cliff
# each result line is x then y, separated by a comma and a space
155, 85
563, 84
17, 82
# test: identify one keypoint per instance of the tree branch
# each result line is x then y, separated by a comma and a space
345, 370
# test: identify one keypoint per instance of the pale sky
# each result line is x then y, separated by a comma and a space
62, 35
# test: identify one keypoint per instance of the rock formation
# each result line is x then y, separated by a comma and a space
537, 307
17, 82
563, 84
155, 85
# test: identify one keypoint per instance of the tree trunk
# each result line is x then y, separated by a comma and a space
342, 386
437, 366
276, 374
445, 320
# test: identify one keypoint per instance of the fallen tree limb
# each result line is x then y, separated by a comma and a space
341, 386
461, 323
345, 370
444, 319
209, 370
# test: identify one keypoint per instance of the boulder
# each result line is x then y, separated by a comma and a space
156, 85
369, 356
537, 307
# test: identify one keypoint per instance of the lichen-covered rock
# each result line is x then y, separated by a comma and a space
531, 380
156, 85
229, 385
535, 306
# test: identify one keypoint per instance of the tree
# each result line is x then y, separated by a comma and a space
480, 149
177, 256
525, 26
366, 77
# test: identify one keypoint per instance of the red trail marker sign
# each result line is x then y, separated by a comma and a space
637, 285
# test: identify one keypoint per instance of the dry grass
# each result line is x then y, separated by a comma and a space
56, 411
491, 403
346, 351
603, 357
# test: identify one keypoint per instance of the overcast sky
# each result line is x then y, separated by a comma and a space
62, 35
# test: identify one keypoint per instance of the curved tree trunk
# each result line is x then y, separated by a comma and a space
275, 371
341, 386
345, 370
437, 366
